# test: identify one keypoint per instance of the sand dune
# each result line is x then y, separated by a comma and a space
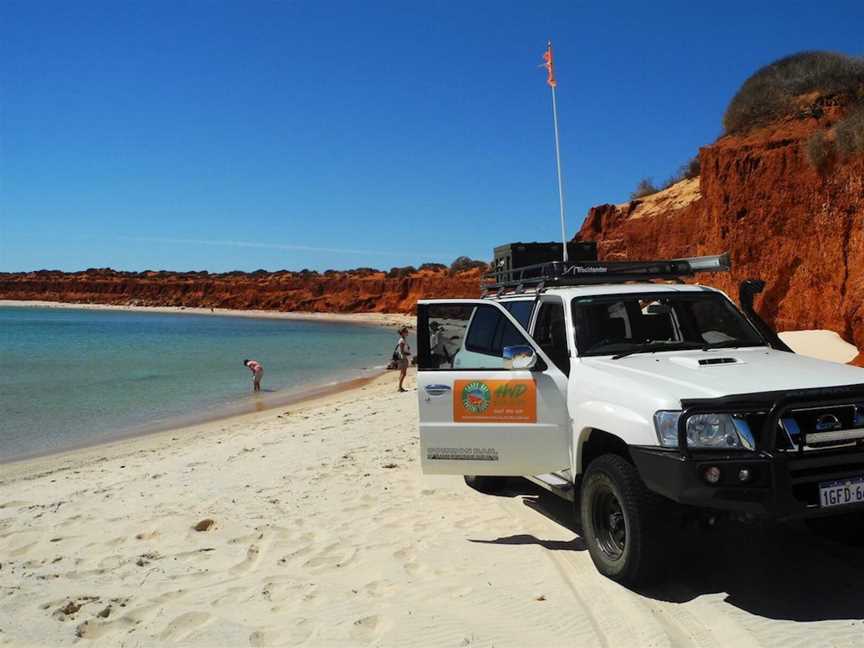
825, 345
317, 529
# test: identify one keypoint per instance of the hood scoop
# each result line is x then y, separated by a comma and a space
715, 361
697, 362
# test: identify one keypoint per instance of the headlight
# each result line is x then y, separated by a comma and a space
705, 431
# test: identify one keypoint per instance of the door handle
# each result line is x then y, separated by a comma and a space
437, 390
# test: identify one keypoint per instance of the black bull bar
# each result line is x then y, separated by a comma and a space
784, 482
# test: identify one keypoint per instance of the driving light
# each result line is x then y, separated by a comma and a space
705, 431
712, 474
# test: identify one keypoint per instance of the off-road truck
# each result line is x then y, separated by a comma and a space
640, 398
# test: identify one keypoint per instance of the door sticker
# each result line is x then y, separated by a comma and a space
495, 401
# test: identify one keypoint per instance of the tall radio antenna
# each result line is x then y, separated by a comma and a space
552, 83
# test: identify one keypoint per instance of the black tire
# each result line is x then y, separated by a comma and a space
486, 484
625, 526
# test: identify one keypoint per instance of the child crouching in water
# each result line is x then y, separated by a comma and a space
257, 370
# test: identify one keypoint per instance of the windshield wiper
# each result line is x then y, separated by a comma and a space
667, 345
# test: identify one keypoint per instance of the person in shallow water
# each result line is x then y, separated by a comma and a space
257, 370
403, 356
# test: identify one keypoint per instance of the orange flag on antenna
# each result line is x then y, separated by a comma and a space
550, 67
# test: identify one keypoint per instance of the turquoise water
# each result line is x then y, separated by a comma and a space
78, 377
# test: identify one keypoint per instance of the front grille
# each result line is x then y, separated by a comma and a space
809, 429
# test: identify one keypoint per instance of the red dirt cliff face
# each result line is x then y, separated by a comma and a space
801, 232
333, 292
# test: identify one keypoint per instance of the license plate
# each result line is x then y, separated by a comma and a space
843, 491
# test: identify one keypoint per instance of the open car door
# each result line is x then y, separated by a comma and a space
491, 402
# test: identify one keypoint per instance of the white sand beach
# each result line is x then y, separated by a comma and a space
325, 533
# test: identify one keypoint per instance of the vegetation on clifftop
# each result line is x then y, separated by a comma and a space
775, 91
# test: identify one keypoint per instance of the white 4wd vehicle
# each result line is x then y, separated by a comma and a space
639, 402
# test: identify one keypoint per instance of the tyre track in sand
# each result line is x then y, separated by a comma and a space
621, 616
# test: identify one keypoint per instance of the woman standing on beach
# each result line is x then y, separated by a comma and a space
403, 353
257, 370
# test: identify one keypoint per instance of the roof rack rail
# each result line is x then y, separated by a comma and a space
558, 273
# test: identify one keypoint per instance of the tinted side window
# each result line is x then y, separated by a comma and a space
481, 335
521, 311
550, 332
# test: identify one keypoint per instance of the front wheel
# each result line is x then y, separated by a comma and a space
622, 522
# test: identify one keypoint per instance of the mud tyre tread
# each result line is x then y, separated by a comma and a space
646, 516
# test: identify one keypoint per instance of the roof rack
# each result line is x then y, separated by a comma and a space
558, 273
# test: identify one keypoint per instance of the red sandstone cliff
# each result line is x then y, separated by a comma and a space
759, 198
339, 292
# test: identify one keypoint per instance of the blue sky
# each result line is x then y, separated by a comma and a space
243, 135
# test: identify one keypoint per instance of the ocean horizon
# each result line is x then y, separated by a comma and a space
73, 377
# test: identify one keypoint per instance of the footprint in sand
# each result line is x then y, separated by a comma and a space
231, 596
300, 632
368, 628
299, 553
184, 625
93, 629
23, 549
378, 588
248, 564
11, 503
408, 556
334, 555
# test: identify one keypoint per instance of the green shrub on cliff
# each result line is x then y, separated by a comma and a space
850, 133
645, 187
772, 91
819, 150
401, 272
463, 263
848, 142
690, 169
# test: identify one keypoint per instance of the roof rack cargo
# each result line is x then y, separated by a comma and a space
558, 273
520, 255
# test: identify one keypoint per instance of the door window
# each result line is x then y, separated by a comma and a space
467, 336
520, 310
550, 333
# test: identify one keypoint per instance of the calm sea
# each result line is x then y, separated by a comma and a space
78, 377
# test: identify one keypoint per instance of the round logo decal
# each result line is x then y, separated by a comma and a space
476, 397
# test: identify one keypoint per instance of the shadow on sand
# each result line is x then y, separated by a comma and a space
778, 572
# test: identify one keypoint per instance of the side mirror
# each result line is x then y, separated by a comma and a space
519, 357
658, 309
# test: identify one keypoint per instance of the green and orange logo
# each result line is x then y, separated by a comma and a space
494, 401
476, 397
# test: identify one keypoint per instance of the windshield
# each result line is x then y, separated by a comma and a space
646, 322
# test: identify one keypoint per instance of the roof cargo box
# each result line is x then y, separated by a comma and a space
519, 255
